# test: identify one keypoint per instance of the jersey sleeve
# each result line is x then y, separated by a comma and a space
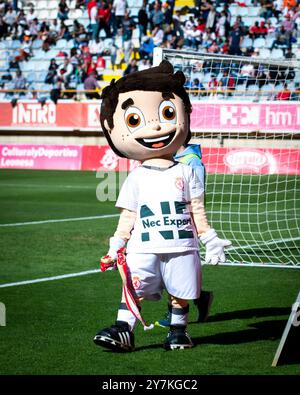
200, 171
128, 196
196, 186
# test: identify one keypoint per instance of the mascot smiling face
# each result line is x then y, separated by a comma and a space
147, 114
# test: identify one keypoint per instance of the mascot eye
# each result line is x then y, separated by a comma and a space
134, 119
167, 112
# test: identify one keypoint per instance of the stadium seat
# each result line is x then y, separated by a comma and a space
247, 42
259, 43
269, 41
254, 11
43, 14
264, 53
41, 5
53, 4
31, 77
61, 44
277, 53
37, 44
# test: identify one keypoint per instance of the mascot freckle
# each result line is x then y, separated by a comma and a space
146, 116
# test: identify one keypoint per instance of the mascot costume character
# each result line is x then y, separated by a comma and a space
146, 116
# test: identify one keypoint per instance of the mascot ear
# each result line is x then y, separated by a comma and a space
180, 77
106, 125
166, 67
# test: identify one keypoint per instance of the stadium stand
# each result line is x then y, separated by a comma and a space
33, 32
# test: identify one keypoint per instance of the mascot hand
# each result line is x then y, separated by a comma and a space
109, 261
215, 247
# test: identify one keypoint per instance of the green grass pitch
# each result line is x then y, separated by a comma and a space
50, 325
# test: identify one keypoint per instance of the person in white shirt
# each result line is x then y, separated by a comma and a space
119, 7
146, 116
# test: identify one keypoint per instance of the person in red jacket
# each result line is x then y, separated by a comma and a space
104, 19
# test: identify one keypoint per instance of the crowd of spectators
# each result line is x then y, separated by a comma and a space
208, 26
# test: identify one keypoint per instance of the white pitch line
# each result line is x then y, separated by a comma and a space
50, 221
47, 186
40, 280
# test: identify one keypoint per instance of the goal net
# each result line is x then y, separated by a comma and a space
246, 116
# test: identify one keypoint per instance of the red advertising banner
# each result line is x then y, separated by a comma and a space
56, 157
206, 116
216, 160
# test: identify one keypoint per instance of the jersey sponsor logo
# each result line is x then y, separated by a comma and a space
166, 220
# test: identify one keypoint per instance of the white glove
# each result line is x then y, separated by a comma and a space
115, 243
214, 247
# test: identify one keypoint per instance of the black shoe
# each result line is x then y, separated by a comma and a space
178, 338
203, 304
118, 337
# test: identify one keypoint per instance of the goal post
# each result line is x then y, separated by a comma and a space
246, 116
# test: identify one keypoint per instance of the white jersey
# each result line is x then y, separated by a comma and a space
161, 198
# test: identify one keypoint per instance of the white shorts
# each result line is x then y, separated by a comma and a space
178, 273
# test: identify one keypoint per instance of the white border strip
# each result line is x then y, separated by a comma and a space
50, 221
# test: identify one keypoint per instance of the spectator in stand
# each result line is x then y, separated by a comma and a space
2, 7
235, 41
131, 68
156, 16
177, 24
225, 47
10, 17
25, 49
254, 31
221, 29
91, 84
80, 4
52, 72
267, 9
288, 23
79, 34
296, 93
128, 26
143, 20
34, 28
208, 37
119, 7
93, 15
20, 82
104, 19
146, 48
212, 84
56, 92
64, 32
31, 15
285, 94
144, 64
3, 28
96, 46
21, 18
168, 13
214, 47
63, 10
54, 29
289, 4
211, 18
157, 35
65, 70
227, 82
282, 39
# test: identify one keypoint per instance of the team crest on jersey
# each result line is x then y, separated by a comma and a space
179, 183
136, 282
